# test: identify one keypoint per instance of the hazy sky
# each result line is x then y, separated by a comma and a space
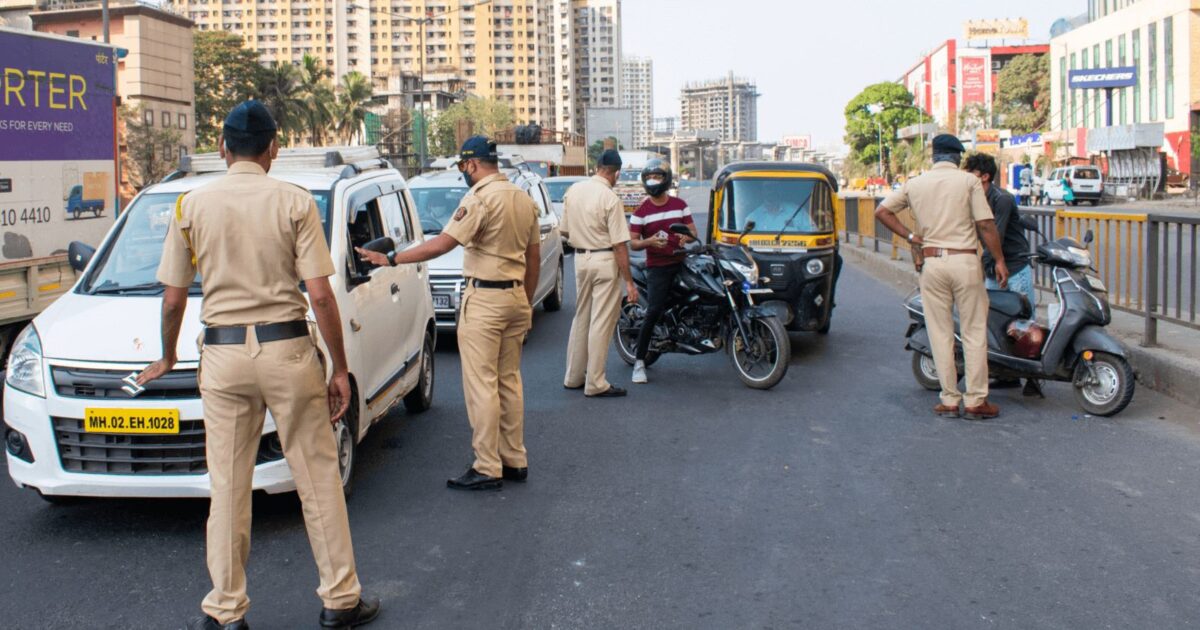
809, 57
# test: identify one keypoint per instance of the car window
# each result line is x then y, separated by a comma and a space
436, 206
367, 226
535, 191
130, 259
1087, 173
558, 190
394, 219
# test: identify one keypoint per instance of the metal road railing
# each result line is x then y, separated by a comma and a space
1147, 261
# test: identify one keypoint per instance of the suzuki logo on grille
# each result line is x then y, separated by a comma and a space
137, 344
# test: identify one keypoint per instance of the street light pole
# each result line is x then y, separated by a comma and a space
875, 109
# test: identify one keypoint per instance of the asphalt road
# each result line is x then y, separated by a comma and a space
836, 500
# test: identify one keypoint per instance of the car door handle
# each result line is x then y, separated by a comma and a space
395, 288
355, 326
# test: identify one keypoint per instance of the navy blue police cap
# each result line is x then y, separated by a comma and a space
948, 143
250, 117
477, 147
611, 157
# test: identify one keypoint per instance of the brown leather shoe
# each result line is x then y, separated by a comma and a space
946, 411
983, 411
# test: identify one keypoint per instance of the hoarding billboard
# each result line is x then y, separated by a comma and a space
974, 80
1102, 78
57, 143
996, 29
802, 143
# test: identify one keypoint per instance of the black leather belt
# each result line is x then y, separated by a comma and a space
494, 284
265, 333
593, 251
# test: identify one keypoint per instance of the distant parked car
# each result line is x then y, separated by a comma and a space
1083, 183
557, 187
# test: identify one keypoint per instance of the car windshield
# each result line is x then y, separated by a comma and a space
799, 205
631, 177
436, 206
128, 263
558, 190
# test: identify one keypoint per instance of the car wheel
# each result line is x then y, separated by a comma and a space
554, 301
344, 433
76, 213
421, 397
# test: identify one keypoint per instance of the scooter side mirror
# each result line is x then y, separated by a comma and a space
1088, 238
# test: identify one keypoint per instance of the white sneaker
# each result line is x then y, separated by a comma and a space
639, 372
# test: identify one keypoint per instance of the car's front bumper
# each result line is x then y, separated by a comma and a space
33, 417
447, 293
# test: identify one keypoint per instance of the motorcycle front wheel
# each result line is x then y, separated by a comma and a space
629, 325
761, 360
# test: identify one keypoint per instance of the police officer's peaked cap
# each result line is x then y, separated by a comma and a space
477, 147
948, 143
250, 117
611, 157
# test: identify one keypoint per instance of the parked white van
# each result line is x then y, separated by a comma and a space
1085, 181
73, 356
437, 197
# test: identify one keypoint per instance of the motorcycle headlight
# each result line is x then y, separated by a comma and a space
25, 364
1080, 257
749, 272
814, 267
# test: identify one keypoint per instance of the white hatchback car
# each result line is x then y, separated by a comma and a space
71, 360
437, 196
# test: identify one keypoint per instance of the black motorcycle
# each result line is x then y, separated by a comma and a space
712, 308
1075, 348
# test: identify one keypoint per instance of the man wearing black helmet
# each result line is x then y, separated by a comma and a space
650, 229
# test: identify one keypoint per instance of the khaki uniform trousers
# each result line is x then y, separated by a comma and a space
948, 282
491, 329
597, 307
238, 383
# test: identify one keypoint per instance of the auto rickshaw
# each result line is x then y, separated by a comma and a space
793, 239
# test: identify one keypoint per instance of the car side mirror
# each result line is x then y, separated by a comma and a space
382, 245
79, 255
1088, 238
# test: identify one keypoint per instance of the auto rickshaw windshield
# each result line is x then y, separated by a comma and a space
778, 206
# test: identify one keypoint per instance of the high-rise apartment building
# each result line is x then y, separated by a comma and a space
637, 94
585, 40
728, 106
499, 49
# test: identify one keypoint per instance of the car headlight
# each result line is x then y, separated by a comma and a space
25, 364
1080, 257
814, 267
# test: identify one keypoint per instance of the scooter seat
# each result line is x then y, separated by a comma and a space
1010, 303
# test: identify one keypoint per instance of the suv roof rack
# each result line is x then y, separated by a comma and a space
356, 159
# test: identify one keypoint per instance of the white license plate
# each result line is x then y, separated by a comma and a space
441, 301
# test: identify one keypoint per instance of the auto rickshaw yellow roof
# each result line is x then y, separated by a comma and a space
764, 166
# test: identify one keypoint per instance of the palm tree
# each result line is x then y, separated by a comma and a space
353, 97
279, 88
317, 96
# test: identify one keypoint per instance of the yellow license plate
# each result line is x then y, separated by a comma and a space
131, 421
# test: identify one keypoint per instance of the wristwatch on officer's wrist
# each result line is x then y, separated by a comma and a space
391, 257
911, 236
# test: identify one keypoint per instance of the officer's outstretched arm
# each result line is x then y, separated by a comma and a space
174, 304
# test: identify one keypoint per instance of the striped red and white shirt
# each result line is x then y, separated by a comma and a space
650, 219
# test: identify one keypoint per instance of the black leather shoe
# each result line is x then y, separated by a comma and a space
612, 392
474, 480
205, 622
515, 474
364, 613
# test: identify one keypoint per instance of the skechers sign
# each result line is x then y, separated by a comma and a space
1101, 78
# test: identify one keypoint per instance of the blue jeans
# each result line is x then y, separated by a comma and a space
1020, 282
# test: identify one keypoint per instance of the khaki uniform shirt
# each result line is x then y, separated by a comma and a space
255, 238
495, 224
946, 202
593, 215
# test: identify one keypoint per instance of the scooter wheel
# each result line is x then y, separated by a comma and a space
1111, 389
925, 372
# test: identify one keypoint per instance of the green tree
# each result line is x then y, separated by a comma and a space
225, 75
597, 147
972, 118
867, 130
487, 117
353, 96
279, 88
152, 152
1022, 99
318, 97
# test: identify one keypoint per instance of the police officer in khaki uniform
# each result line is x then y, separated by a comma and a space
953, 212
594, 223
498, 228
253, 239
